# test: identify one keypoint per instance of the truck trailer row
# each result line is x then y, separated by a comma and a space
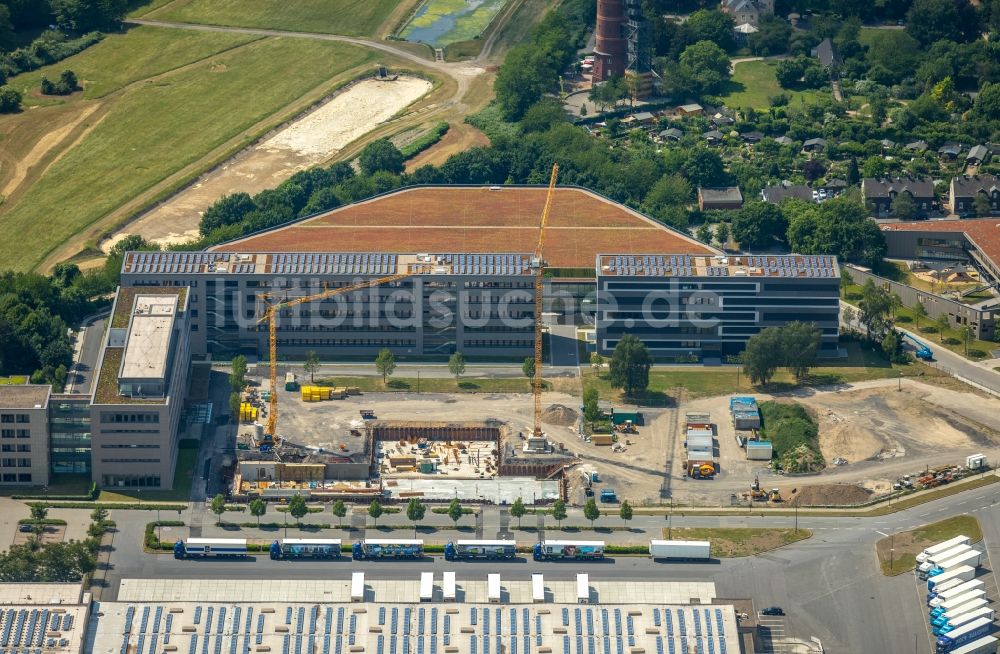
460, 550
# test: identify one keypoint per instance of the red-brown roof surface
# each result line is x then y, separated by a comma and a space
478, 220
984, 232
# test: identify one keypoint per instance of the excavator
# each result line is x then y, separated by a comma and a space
759, 495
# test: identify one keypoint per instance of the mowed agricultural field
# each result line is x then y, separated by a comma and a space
348, 17
753, 84
141, 53
151, 130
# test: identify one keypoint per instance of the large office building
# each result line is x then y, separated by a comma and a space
124, 429
463, 262
689, 307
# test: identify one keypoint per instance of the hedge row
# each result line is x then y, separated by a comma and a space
425, 141
44, 522
110, 506
89, 496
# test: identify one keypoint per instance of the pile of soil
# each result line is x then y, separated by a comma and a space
827, 495
557, 414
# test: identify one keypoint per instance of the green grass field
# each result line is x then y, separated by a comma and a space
440, 22
350, 17
753, 85
861, 365
897, 553
121, 59
154, 130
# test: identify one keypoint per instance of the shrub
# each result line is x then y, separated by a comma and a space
425, 141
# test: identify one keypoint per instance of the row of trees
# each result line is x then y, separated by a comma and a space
793, 346
415, 510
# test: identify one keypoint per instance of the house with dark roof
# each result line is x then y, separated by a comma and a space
728, 197
916, 147
786, 190
747, 11
880, 193
965, 188
713, 137
827, 54
978, 154
813, 145
752, 137
722, 121
950, 151
671, 134
887, 144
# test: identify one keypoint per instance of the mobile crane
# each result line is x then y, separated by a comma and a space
538, 264
270, 314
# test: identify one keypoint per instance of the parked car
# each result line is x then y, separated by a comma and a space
26, 528
772, 610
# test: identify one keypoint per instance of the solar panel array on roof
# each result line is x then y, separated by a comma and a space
332, 264
179, 263
650, 265
487, 264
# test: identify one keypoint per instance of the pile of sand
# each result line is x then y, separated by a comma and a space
557, 414
827, 495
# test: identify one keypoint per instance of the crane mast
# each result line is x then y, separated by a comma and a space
538, 264
270, 314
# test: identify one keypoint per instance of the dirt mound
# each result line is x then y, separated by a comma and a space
557, 414
827, 495
839, 438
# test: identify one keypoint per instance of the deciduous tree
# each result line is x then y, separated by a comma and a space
630, 364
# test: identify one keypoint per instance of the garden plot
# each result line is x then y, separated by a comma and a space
309, 140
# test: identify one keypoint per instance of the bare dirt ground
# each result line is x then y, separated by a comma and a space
460, 137
311, 139
917, 427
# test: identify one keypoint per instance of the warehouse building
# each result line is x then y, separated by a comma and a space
687, 307
462, 614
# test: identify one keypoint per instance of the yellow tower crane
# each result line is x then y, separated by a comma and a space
538, 263
270, 314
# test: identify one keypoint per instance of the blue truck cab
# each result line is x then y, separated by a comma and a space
275, 550
356, 553
179, 550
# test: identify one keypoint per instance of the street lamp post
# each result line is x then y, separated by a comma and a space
899, 385
286, 523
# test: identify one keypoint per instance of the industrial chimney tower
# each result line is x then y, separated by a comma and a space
611, 49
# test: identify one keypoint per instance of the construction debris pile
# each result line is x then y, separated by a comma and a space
420, 456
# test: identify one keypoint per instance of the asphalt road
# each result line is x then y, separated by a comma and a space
829, 585
81, 375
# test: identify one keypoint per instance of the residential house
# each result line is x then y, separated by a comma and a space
784, 140
950, 151
728, 197
827, 54
888, 144
671, 134
693, 109
978, 154
916, 147
786, 190
713, 137
752, 137
720, 121
813, 145
747, 11
834, 186
880, 193
964, 190
644, 118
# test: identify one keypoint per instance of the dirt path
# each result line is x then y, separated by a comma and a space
42, 148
